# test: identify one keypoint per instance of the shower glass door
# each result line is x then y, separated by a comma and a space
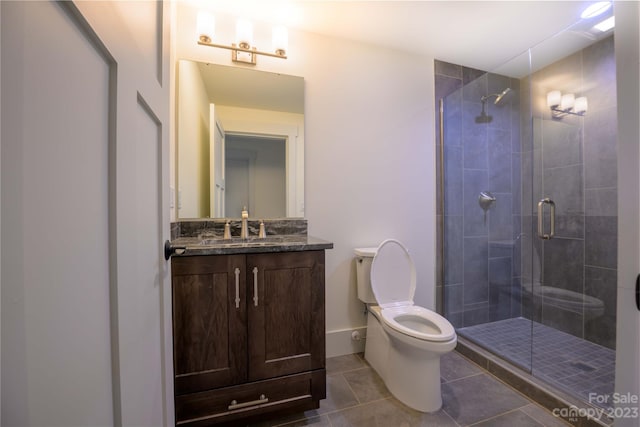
571, 298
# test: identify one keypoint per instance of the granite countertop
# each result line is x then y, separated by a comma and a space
286, 243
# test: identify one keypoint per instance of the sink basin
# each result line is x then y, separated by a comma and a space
238, 242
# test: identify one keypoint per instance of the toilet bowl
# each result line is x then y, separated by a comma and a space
404, 341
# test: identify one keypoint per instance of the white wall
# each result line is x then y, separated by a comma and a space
370, 153
627, 46
193, 134
370, 163
0, 216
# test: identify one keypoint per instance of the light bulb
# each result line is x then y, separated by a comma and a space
567, 101
280, 40
244, 33
553, 98
581, 105
205, 26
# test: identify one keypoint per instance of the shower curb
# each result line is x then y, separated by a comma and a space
528, 385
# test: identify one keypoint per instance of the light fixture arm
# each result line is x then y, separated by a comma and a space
243, 49
559, 110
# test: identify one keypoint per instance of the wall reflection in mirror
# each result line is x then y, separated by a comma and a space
240, 142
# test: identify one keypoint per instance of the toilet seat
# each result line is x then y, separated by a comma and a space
418, 322
393, 280
393, 275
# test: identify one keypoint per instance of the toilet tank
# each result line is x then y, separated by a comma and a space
364, 257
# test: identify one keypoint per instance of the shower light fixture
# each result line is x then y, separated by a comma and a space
243, 50
561, 105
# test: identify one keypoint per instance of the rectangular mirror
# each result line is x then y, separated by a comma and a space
240, 142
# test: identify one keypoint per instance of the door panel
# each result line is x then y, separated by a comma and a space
139, 188
209, 327
56, 345
141, 310
84, 173
286, 324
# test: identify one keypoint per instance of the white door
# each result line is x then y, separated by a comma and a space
627, 47
216, 165
86, 332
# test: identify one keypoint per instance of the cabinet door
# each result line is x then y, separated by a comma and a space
209, 327
286, 322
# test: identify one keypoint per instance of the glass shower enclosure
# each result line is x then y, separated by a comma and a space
529, 211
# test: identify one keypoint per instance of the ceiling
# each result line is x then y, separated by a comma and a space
247, 88
478, 34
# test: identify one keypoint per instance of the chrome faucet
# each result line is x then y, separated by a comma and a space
244, 230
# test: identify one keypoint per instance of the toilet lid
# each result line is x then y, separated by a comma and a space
393, 275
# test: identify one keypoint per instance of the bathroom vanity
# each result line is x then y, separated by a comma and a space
248, 328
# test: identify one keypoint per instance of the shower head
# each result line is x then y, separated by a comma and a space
500, 97
484, 117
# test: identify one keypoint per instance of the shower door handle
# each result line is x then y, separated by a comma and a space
552, 219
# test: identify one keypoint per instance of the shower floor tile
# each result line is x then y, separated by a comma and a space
564, 361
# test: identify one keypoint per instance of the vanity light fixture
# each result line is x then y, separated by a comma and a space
242, 50
562, 105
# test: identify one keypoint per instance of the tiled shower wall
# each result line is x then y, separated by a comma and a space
576, 165
481, 277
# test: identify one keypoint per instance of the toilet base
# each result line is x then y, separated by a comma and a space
412, 375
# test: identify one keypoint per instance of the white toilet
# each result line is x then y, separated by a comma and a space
404, 341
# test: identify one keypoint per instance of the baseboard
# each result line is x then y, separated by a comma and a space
340, 342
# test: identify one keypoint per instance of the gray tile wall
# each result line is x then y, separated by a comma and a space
477, 283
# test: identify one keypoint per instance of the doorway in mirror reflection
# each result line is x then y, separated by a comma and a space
255, 174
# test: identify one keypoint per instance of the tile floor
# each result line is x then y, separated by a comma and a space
356, 396
567, 362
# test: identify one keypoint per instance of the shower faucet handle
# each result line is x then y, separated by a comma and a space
486, 200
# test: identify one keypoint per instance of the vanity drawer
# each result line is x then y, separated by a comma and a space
298, 392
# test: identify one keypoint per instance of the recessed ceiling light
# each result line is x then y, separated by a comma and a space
605, 25
595, 9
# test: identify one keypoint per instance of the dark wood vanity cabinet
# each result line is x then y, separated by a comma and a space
249, 335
